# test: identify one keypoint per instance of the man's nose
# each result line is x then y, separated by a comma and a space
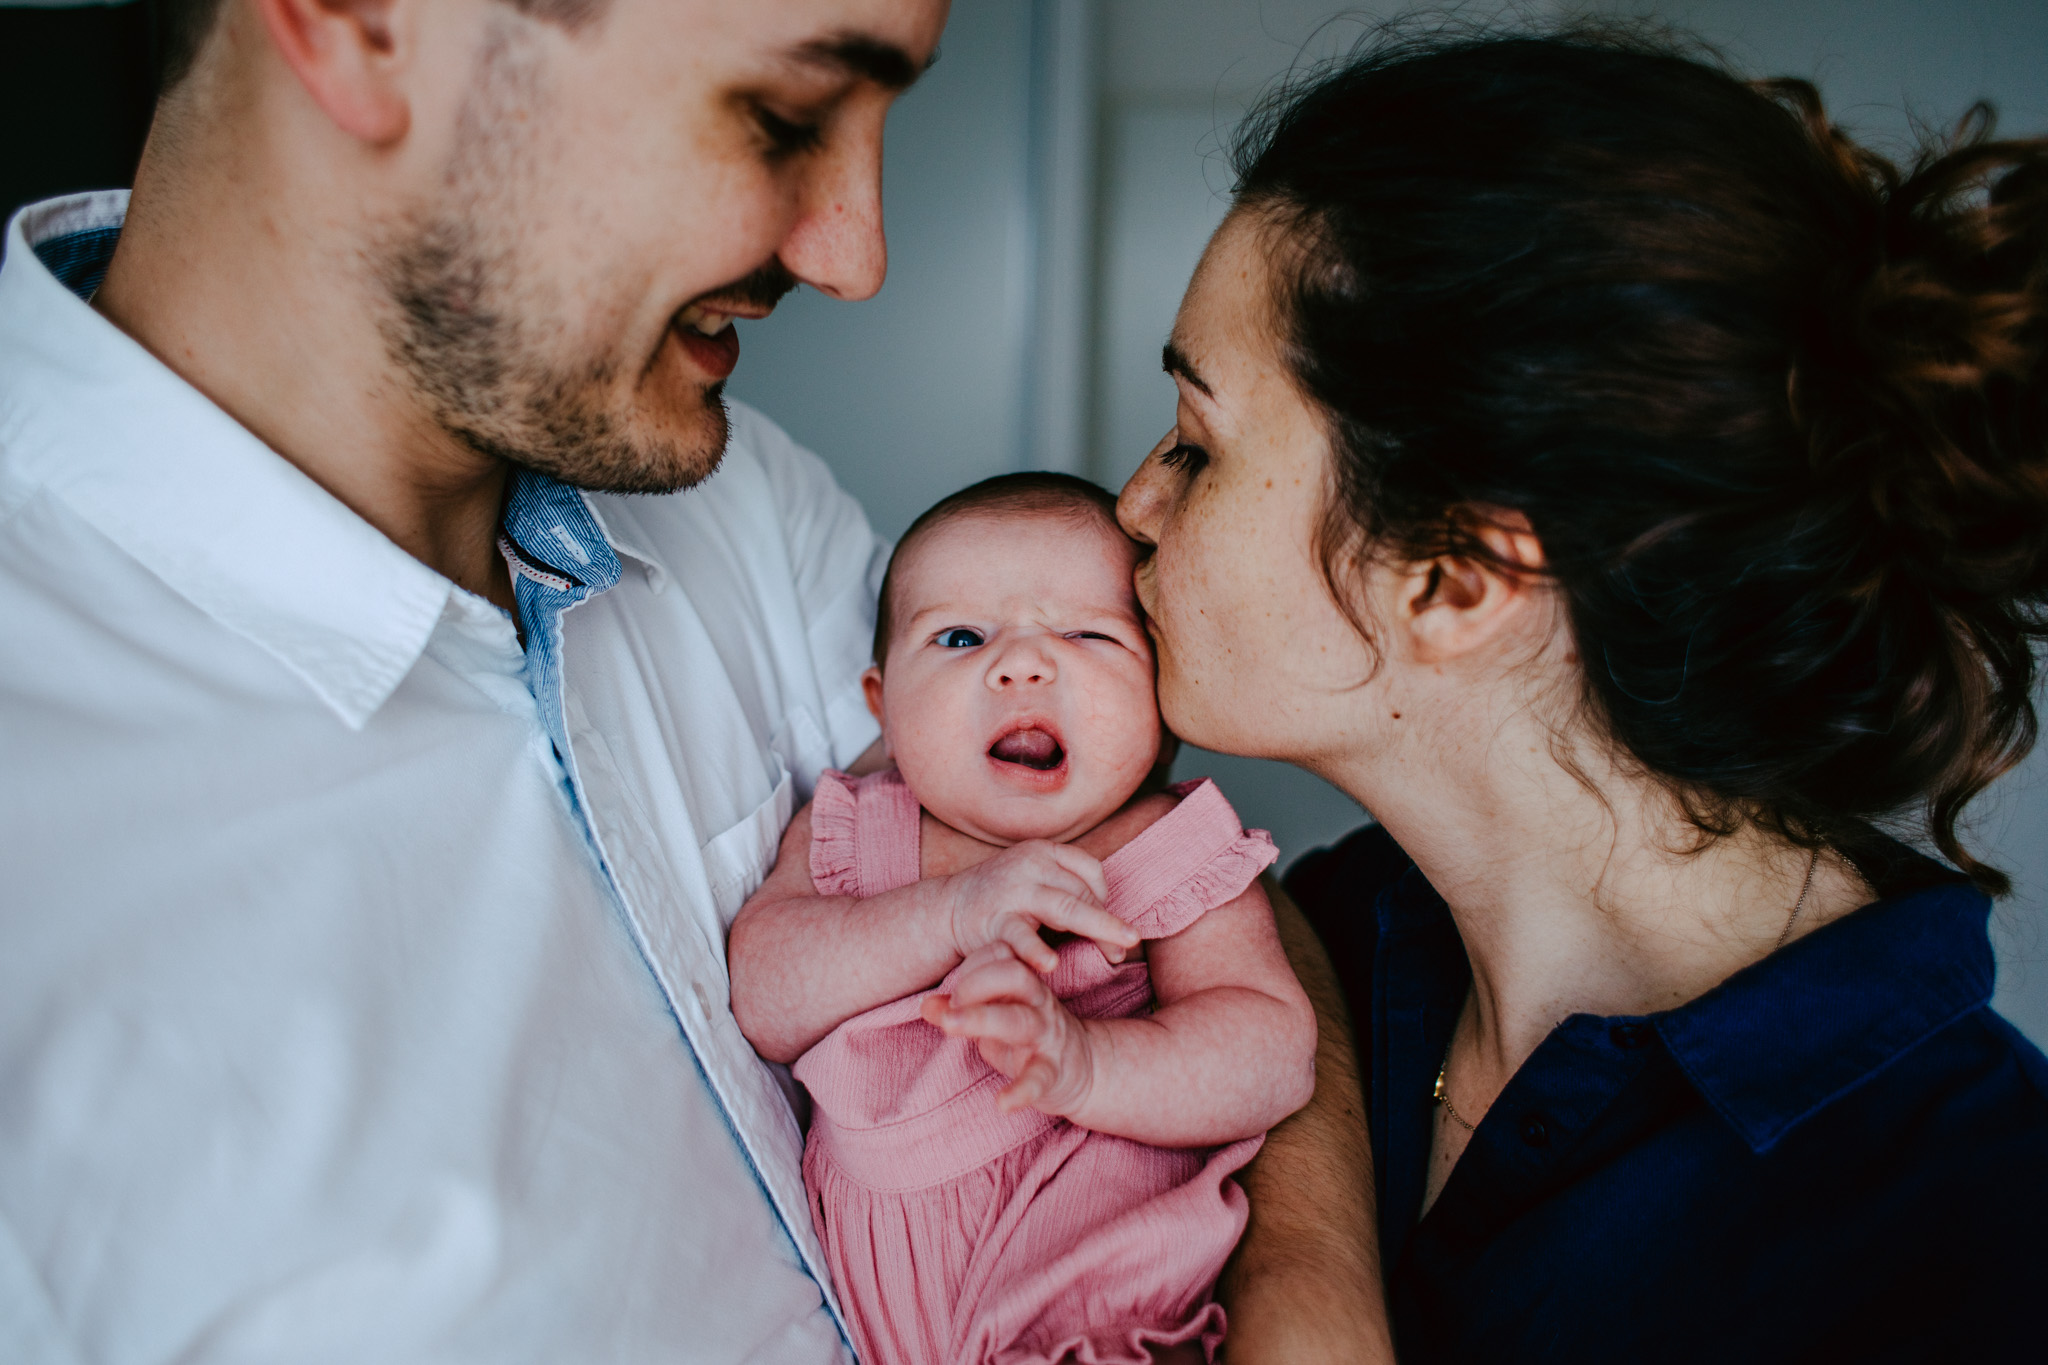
1026, 661
837, 246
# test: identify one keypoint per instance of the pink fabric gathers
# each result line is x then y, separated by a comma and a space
962, 1236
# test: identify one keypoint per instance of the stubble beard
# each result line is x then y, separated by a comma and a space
460, 334
466, 313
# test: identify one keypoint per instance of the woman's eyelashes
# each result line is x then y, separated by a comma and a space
1183, 458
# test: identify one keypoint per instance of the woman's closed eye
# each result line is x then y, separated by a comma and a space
1183, 458
957, 637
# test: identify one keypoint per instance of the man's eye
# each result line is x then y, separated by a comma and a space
787, 137
959, 637
1184, 458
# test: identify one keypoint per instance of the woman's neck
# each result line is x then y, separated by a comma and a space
1587, 892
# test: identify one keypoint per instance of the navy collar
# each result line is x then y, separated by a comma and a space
1781, 1040
1784, 1038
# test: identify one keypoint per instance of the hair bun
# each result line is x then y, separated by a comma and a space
1579, 275
1926, 383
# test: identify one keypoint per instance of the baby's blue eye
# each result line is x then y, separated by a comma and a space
959, 637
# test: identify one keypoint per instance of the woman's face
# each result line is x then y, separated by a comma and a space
1252, 648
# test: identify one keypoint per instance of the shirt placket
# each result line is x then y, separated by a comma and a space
1535, 1138
622, 845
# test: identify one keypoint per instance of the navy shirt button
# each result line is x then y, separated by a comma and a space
1626, 1036
1535, 1131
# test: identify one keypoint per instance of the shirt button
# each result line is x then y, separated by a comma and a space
1627, 1036
703, 1001
1535, 1131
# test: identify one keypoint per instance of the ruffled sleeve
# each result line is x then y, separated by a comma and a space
835, 836
1191, 860
864, 834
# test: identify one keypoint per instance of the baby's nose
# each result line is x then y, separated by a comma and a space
1025, 664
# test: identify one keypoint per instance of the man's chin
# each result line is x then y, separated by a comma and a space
681, 454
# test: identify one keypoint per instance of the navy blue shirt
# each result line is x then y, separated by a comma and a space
1840, 1153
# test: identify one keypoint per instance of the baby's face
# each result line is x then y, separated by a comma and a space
1018, 697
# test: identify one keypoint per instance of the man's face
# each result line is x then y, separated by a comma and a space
615, 195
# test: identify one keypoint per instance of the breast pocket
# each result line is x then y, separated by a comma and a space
737, 861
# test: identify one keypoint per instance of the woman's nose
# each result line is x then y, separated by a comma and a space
1027, 661
1137, 507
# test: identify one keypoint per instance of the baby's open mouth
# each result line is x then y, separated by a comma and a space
1032, 747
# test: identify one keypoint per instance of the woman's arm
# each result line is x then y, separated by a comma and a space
1228, 1052
1304, 1287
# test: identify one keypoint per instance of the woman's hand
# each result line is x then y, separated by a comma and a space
1022, 1029
1008, 898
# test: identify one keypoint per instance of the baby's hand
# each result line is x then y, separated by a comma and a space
1023, 1030
1007, 898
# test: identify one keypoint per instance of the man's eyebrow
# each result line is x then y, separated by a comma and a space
867, 57
1175, 361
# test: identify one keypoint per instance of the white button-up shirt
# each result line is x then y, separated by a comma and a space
355, 1006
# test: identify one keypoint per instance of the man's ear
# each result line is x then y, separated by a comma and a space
349, 55
871, 688
1452, 604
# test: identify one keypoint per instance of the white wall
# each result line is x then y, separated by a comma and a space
921, 390
941, 380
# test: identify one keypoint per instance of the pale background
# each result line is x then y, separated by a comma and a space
1052, 181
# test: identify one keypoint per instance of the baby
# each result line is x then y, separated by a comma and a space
1039, 1004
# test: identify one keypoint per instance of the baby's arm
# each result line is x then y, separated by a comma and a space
803, 963
1229, 1052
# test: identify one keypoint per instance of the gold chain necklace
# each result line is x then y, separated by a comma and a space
1442, 1093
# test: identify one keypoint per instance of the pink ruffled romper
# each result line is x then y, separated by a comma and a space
962, 1236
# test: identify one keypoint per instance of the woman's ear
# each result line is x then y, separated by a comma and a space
1453, 604
351, 56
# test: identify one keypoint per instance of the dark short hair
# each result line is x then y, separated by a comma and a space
1776, 409
180, 28
1040, 491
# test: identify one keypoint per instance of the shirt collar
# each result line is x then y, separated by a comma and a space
1784, 1038
1781, 1040
195, 497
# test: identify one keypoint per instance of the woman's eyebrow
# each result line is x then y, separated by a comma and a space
1175, 361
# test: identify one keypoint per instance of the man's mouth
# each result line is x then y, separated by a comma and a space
1030, 747
709, 338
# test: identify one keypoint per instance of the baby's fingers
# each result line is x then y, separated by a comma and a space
999, 978
1086, 866
1002, 1022
1032, 1084
1021, 936
1091, 921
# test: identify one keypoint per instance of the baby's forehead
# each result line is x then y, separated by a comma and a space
983, 553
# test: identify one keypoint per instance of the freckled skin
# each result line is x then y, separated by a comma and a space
1251, 645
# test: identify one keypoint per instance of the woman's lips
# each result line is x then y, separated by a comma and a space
716, 354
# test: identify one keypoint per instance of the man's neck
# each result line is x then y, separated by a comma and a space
265, 302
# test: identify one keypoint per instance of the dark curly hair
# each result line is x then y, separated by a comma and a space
1774, 407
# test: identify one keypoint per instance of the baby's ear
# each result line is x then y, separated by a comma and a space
871, 688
